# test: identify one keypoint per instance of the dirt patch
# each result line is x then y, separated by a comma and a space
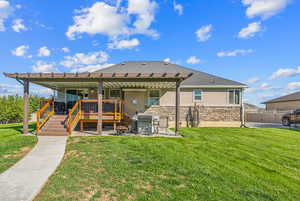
22, 152
74, 140
72, 153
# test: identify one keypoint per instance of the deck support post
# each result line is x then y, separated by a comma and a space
115, 126
99, 124
81, 126
26, 106
177, 108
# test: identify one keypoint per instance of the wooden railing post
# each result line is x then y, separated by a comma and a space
37, 121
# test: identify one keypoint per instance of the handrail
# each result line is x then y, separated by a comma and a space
44, 114
71, 123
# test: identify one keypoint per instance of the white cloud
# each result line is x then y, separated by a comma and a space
124, 44
145, 14
18, 25
113, 21
264, 8
167, 60
285, 72
234, 53
204, 33
81, 62
293, 86
10, 89
44, 52
65, 49
253, 80
178, 8
263, 87
193, 60
250, 30
43, 67
101, 18
91, 68
5, 11
21, 51
18, 6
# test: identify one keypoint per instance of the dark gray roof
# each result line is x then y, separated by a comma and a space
289, 97
198, 78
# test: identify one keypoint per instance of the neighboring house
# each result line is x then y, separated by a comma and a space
287, 102
149, 87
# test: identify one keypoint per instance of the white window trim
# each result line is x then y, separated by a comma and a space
240, 97
148, 96
194, 100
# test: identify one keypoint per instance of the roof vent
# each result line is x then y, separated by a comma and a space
123, 63
166, 63
144, 63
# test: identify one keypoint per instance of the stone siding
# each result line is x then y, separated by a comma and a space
206, 113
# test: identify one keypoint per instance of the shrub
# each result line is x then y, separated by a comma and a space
11, 108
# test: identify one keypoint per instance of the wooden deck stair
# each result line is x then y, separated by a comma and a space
55, 126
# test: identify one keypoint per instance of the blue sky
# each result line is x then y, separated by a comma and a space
252, 41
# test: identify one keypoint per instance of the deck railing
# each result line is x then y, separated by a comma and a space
87, 110
44, 114
74, 116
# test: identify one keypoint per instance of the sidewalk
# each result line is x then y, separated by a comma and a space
25, 179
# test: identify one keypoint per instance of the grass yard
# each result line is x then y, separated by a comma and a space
208, 164
13, 146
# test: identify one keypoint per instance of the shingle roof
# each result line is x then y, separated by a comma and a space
197, 79
289, 97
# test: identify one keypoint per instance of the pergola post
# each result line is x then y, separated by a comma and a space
26, 106
242, 110
99, 124
177, 108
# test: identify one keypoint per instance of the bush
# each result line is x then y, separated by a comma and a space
11, 108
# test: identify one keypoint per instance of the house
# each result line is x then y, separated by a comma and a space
168, 90
287, 102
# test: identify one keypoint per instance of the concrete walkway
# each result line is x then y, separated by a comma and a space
25, 179
265, 125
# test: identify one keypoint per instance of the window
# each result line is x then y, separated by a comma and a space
234, 96
153, 97
197, 95
115, 93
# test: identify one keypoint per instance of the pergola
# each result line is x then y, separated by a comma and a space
57, 81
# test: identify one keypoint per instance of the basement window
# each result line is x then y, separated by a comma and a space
234, 96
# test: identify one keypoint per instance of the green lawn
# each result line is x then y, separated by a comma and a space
208, 164
13, 146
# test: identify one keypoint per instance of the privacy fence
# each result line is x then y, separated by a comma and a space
264, 116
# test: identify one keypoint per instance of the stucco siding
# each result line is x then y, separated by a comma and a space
135, 101
210, 97
288, 105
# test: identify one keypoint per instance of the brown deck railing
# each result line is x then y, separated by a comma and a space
87, 110
74, 116
44, 114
